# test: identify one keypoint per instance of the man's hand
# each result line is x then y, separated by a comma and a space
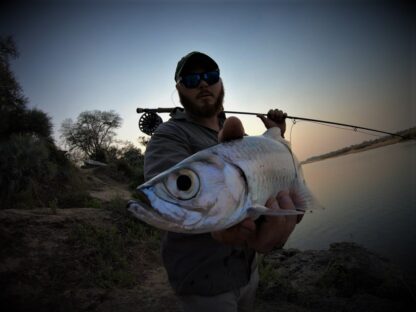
275, 118
236, 235
232, 130
274, 230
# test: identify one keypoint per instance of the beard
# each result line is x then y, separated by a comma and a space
207, 110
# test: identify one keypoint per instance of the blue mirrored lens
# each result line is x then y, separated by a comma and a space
211, 77
193, 80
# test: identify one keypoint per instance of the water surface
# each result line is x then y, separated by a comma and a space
369, 198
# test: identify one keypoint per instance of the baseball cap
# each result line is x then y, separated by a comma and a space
186, 63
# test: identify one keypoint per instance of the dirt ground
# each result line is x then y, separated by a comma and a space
93, 259
44, 268
41, 270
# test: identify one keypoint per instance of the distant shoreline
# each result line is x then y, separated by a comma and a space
365, 146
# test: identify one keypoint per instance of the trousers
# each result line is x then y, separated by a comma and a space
238, 300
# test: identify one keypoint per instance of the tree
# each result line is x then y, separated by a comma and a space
143, 140
12, 101
92, 133
15, 117
132, 155
34, 172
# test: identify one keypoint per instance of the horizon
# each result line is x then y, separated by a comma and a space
345, 62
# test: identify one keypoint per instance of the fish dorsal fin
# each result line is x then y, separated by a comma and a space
275, 133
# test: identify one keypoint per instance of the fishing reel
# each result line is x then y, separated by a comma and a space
149, 121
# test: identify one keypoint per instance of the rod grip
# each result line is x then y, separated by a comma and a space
154, 110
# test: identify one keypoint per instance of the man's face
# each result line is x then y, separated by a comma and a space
204, 100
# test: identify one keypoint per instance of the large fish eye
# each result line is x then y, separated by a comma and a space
182, 184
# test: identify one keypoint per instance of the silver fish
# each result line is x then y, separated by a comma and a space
220, 186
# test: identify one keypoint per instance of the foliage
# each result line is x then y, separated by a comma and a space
24, 164
134, 229
270, 283
36, 122
107, 259
15, 117
127, 160
107, 250
36, 173
131, 164
143, 140
33, 171
92, 133
11, 97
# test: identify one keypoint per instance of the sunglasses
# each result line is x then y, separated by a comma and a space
191, 81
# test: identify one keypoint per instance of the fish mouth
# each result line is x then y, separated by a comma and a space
144, 199
146, 206
144, 210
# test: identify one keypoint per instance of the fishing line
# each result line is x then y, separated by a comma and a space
291, 128
294, 122
347, 129
151, 120
171, 96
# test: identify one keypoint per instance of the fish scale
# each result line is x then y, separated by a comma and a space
224, 184
257, 157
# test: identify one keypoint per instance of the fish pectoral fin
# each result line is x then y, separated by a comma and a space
259, 210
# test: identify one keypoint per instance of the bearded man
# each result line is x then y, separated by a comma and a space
212, 271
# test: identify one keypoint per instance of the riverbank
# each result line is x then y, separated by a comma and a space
100, 259
103, 259
407, 134
346, 277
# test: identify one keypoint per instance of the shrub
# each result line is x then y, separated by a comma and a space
35, 173
24, 163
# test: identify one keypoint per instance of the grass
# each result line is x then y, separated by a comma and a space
269, 279
108, 250
106, 257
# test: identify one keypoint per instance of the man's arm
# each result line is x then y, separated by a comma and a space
165, 149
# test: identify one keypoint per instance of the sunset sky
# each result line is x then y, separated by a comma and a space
348, 62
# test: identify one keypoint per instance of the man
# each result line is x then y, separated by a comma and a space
214, 271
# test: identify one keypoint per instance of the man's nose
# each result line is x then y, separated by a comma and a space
203, 84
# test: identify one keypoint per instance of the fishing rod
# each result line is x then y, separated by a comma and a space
150, 120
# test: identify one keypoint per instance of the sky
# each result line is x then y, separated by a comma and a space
344, 61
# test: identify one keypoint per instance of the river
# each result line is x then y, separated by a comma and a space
369, 198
